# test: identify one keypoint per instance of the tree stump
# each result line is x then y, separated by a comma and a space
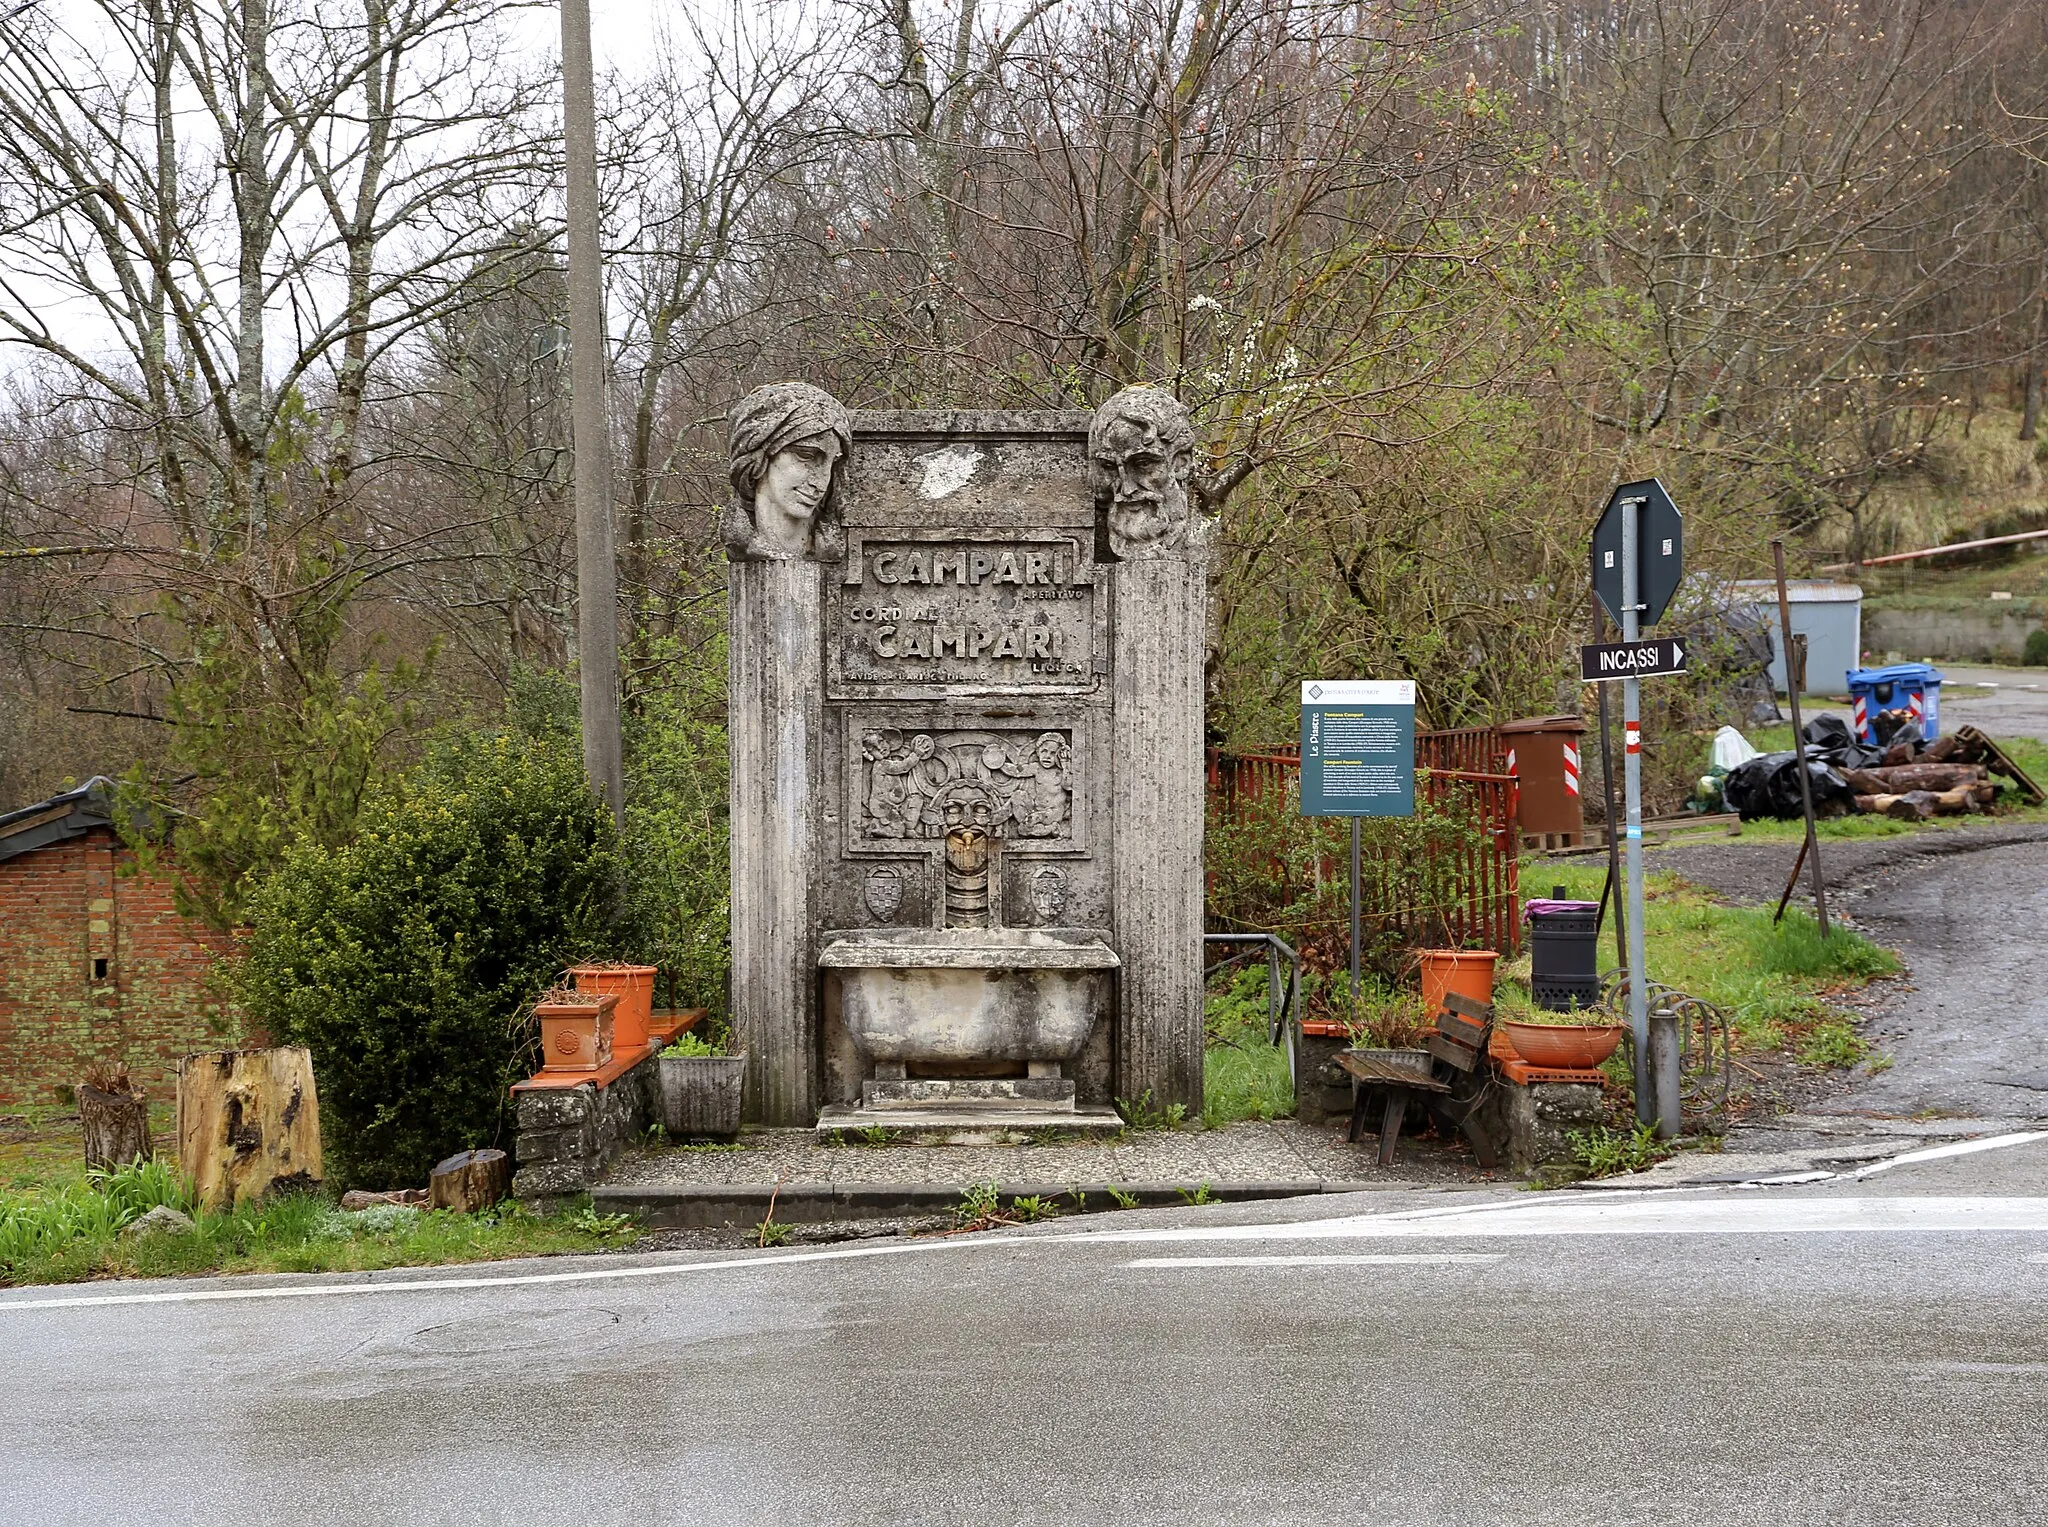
248, 1123
470, 1181
116, 1125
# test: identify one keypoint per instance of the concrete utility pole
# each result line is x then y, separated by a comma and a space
597, 568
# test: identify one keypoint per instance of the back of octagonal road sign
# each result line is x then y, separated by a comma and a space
1660, 550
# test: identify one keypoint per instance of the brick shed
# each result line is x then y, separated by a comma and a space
96, 962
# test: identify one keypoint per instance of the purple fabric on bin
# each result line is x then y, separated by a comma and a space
1531, 908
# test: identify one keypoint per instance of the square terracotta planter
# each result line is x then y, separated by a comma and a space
575, 1037
633, 985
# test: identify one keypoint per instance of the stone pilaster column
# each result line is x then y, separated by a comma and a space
1157, 781
1141, 456
775, 718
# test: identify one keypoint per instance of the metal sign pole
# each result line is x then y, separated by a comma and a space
1811, 850
1613, 887
1354, 919
1632, 792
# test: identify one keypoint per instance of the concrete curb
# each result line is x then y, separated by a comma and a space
702, 1205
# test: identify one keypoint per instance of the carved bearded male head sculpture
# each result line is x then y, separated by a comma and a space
789, 442
1141, 449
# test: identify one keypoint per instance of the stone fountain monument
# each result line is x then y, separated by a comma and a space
965, 713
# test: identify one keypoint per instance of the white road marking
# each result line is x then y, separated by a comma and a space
1675, 1211
502, 1280
1943, 1152
1392, 1259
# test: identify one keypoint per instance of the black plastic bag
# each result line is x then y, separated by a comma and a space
1768, 786
1830, 741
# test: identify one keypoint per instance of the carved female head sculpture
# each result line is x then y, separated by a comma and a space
789, 443
1141, 448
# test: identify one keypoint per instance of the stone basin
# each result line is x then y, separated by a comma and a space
970, 994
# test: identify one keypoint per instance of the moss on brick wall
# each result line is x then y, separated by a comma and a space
97, 964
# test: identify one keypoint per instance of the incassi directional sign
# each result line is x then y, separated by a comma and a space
1660, 549
1631, 660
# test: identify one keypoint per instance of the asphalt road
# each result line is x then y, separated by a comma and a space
1769, 1356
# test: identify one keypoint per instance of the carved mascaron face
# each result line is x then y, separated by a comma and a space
796, 482
787, 444
1141, 450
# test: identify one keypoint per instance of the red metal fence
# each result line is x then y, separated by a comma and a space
1468, 890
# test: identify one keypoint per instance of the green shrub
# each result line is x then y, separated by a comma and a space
2035, 654
689, 1045
406, 958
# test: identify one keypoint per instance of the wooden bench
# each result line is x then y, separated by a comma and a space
1444, 1080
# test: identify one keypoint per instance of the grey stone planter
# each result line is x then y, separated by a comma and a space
700, 1094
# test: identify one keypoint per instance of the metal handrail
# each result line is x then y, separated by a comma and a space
1280, 1002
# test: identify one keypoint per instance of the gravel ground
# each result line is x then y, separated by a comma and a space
1283, 1150
1747, 873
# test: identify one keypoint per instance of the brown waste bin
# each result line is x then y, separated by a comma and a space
1545, 757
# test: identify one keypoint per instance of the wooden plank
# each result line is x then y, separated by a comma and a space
1465, 1007
1462, 1031
1464, 1057
2002, 763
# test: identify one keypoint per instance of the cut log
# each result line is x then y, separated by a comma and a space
1909, 777
116, 1125
1913, 806
356, 1199
1957, 802
470, 1181
248, 1124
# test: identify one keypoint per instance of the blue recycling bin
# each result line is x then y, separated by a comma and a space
1903, 686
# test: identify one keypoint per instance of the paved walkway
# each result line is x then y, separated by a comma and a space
1282, 1151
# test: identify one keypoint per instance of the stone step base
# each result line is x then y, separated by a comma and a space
972, 1125
1006, 1093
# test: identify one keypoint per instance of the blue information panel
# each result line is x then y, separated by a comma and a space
1358, 748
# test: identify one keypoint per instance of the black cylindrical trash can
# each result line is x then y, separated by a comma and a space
1564, 954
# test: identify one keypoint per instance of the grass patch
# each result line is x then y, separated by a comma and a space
1833, 1044
1243, 1076
73, 1230
1772, 981
1604, 1152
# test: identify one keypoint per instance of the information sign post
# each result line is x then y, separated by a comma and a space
1357, 760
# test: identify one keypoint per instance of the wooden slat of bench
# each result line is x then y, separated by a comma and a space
1465, 1007
1387, 1074
1462, 1030
1464, 1057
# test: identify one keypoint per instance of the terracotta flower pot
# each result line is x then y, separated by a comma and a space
1468, 972
1562, 1046
633, 985
576, 1036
